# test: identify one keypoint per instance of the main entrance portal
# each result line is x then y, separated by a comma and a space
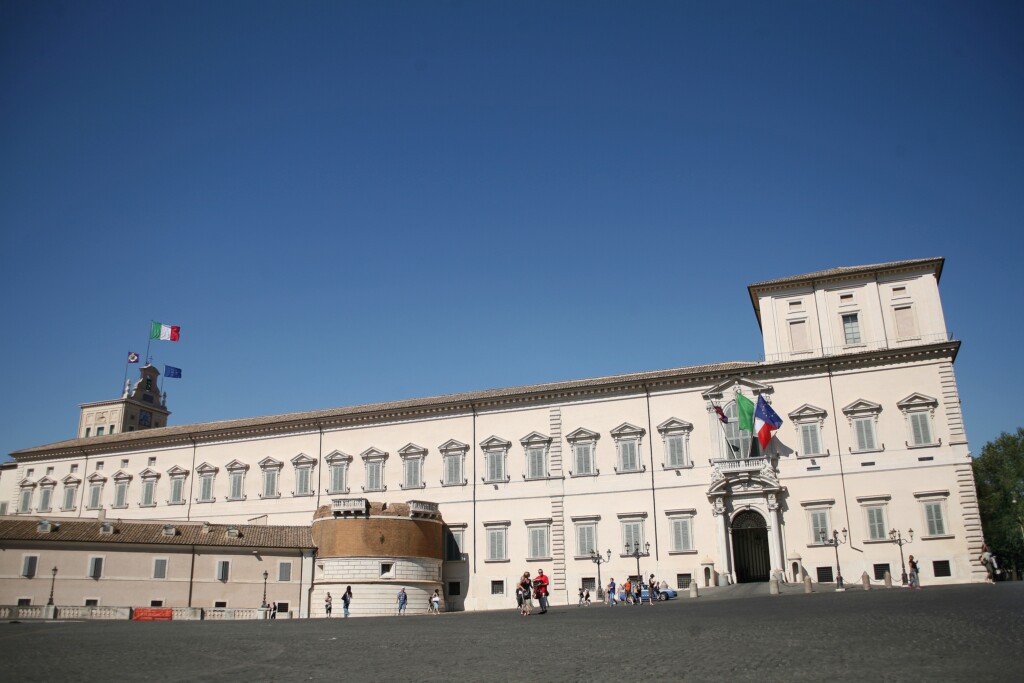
750, 547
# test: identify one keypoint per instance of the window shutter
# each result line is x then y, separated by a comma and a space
44, 499
819, 526
681, 534
798, 335
236, 485
176, 490
676, 457
628, 450
95, 567
921, 428
206, 490
69, 497
905, 325
94, 496
148, 489
865, 434
284, 571
29, 568
302, 481
536, 465
933, 513
876, 524
585, 540
160, 569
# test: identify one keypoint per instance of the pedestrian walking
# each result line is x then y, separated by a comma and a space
586, 598
403, 600
627, 592
988, 561
637, 595
346, 600
519, 600
328, 603
435, 602
540, 587
652, 590
527, 585
273, 611
613, 599
915, 579
581, 596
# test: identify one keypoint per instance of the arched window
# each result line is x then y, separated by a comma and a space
739, 443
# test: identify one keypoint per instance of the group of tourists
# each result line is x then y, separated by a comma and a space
346, 600
527, 589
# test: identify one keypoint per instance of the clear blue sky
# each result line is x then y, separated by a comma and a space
349, 202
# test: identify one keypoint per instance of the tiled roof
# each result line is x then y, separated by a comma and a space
182, 432
843, 271
152, 532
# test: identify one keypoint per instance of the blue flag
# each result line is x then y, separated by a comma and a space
172, 372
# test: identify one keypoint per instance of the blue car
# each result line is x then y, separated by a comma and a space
664, 594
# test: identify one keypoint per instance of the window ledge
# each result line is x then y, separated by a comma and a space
548, 477
147, 505
538, 559
276, 495
682, 552
588, 474
302, 495
404, 487
464, 482
806, 456
640, 470
876, 540
332, 493
208, 500
937, 538
498, 561
232, 500
688, 466
112, 507
820, 545
496, 481
867, 450
935, 444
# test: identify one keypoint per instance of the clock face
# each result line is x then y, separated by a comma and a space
145, 418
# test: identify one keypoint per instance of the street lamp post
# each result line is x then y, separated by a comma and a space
53, 580
638, 552
597, 559
835, 543
266, 575
896, 537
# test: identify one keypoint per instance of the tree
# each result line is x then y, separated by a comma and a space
999, 477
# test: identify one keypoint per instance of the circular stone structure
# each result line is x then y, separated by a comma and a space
377, 549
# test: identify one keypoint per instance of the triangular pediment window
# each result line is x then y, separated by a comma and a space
582, 434
727, 388
495, 443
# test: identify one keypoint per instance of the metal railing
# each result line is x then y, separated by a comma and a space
860, 347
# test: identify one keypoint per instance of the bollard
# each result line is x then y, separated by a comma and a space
808, 587
773, 586
693, 589
866, 581
888, 579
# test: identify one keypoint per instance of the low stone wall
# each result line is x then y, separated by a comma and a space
76, 612
23, 612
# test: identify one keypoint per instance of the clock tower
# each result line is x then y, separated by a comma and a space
140, 407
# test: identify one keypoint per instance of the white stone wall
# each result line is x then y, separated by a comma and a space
374, 595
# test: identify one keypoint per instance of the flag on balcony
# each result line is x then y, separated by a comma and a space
721, 415
745, 410
766, 421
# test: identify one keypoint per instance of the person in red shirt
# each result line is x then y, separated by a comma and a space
540, 589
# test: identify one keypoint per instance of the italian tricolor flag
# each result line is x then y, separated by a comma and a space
164, 332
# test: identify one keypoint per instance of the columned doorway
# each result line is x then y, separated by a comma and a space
750, 547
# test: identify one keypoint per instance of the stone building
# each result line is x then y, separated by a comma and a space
858, 364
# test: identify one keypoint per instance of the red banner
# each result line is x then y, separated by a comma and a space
152, 614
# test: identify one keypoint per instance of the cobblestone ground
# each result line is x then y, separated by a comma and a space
951, 633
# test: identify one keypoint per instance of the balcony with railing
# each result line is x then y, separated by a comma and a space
862, 347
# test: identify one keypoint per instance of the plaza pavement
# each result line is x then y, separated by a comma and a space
948, 633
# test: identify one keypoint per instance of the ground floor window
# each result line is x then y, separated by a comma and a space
941, 568
220, 604
497, 587
454, 588
880, 570
683, 581
24, 602
825, 575
156, 603
92, 602
282, 607
589, 583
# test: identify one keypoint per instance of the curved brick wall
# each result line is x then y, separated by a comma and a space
385, 533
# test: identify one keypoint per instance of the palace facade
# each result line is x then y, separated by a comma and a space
635, 469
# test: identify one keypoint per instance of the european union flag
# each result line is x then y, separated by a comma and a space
172, 372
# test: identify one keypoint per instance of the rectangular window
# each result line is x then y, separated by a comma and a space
880, 570
453, 470
628, 462
906, 325
220, 604
375, 476
497, 587
45, 494
302, 487
798, 339
149, 493
284, 571
851, 329
682, 539
675, 451
413, 473
454, 588
99, 431
160, 568
74, 469
177, 491
865, 431
3, 508
920, 425
632, 535
235, 484
156, 603
819, 526
87, 430
95, 567
810, 437
876, 523
495, 461
338, 477
151, 462
683, 581
536, 468
95, 492
539, 542
583, 454
206, 488
69, 497
825, 575
99, 465
934, 518
589, 583
124, 463
28, 566
223, 570
92, 602
121, 494
586, 539
270, 483
496, 543
453, 545
25, 500
941, 568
